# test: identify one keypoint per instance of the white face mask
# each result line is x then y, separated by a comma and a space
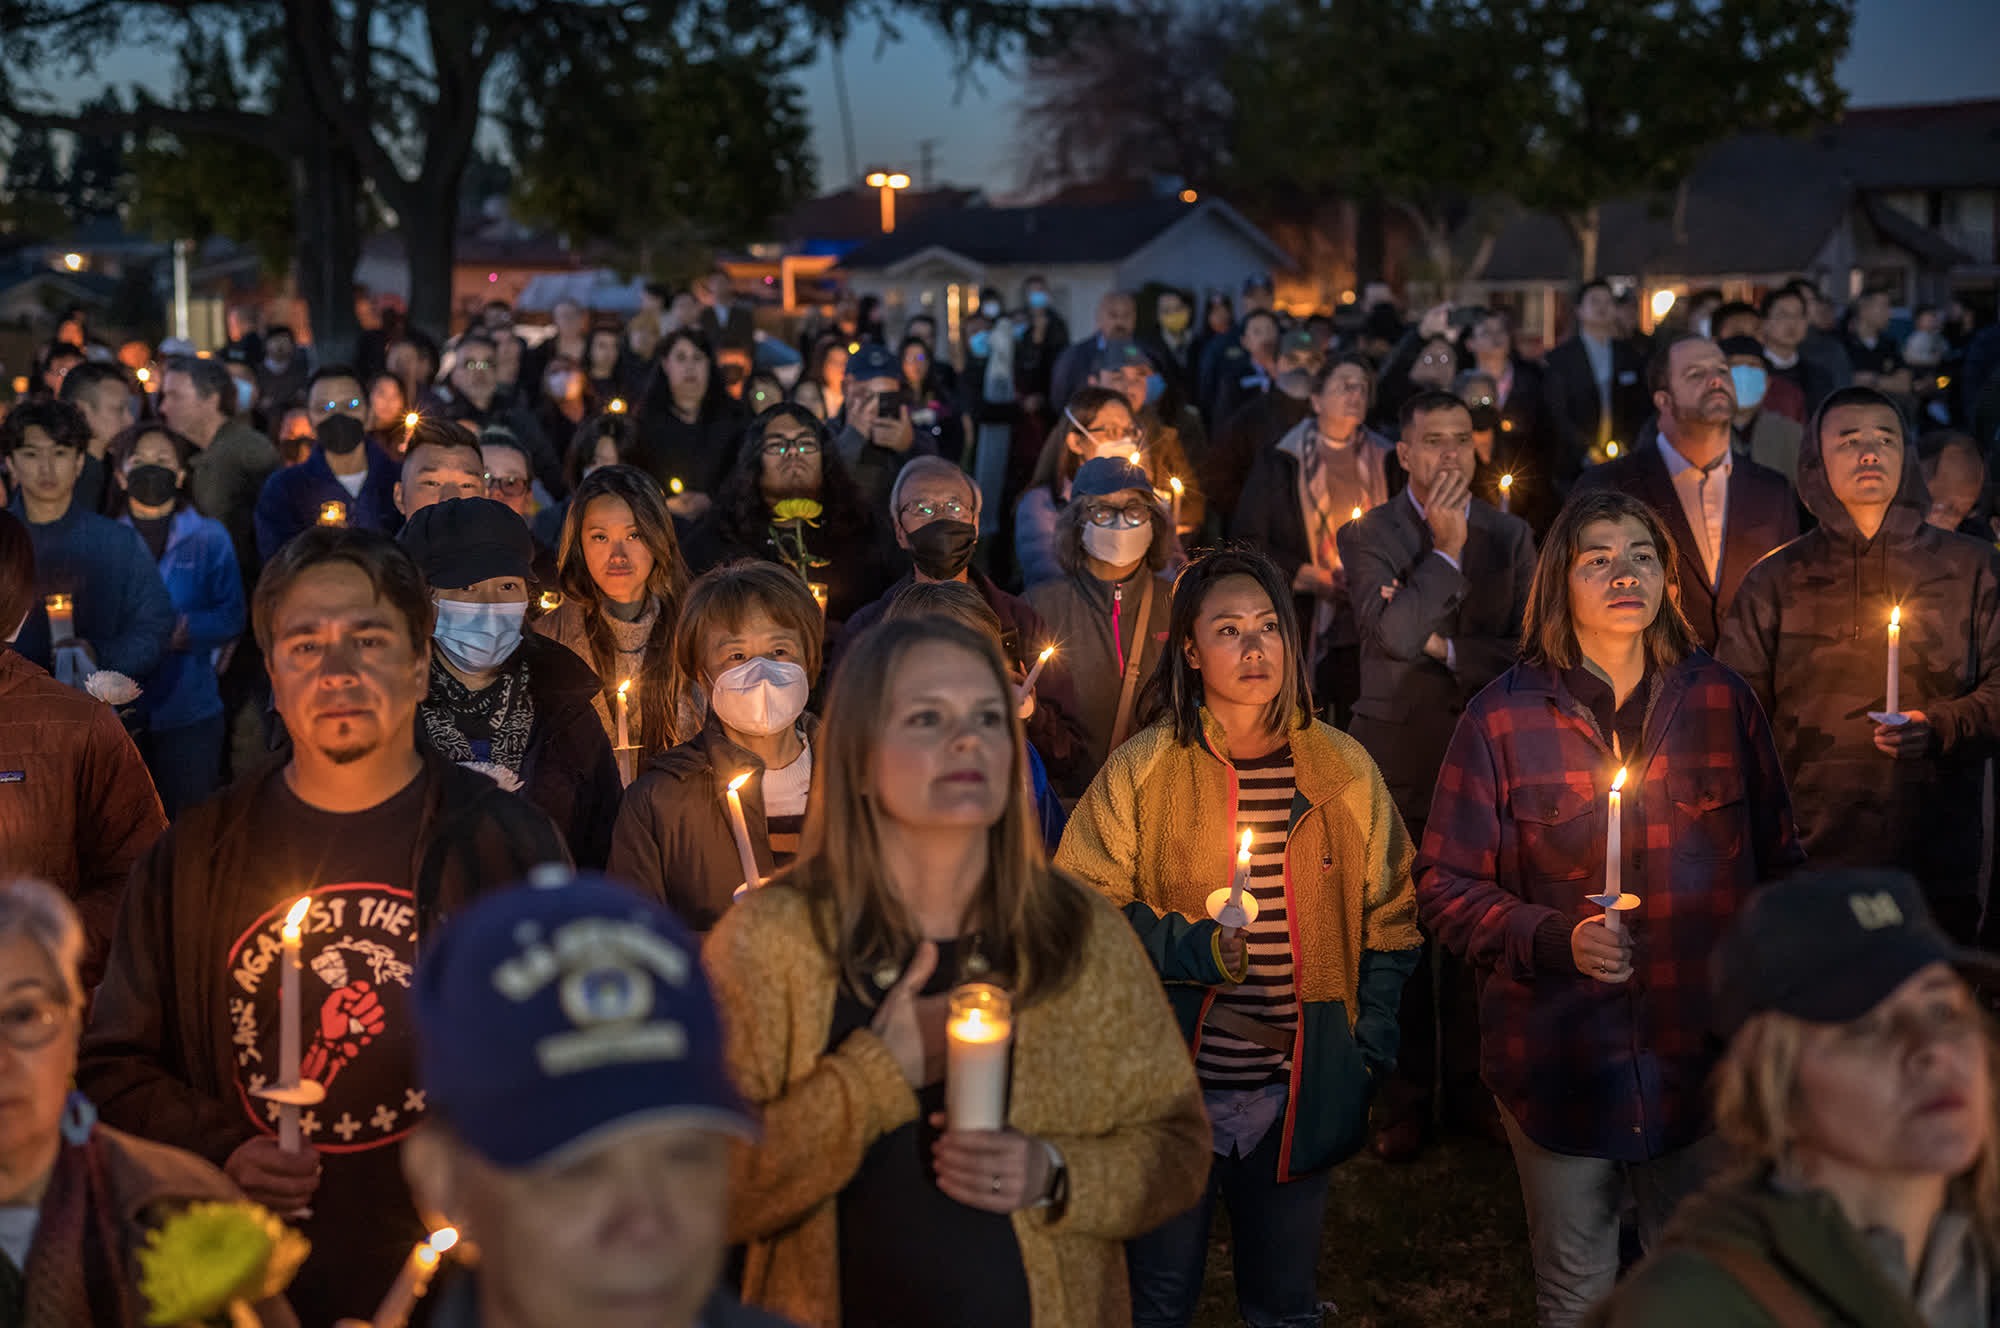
478, 637
1118, 545
760, 696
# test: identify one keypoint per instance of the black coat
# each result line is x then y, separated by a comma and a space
1760, 515
1570, 391
570, 772
1410, 703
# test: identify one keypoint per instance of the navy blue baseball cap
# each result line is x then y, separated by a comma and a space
1101, 476
555, 1015
873, 360
1119, 353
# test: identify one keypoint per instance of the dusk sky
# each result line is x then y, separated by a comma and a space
1903, 51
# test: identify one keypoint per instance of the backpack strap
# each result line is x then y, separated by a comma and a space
1771, 1289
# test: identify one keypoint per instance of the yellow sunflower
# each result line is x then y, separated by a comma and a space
211, 1257
796, 509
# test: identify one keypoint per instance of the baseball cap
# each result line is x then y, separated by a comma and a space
1257, 281
462, 541
1742, 346
1118, 353
1298, 339
873, 360
1828, 947
1104, 475
554, 1015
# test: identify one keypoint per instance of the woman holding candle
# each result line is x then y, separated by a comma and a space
1109, 610
1599, 1076
689, 425
80, 1197
622, 582
1293, 1017
920, 870
748, 648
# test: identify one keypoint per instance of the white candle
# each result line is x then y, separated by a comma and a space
415, 1279
740, 828
1174, 483
1614, 850
333, 514
818, 589
1028, 683
1895, 689
1355, 515
1233, 905
978, 1035
288, 1023
62, 622
624, 732
1506, 493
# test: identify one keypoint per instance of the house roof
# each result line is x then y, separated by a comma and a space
1950, 145
1052, 236
839, 221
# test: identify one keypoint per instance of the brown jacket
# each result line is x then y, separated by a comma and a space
1099, 1071
77, 807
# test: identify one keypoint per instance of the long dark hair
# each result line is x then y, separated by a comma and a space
656, 398
1548, 632
624, 436
668, 584
743, 517
1030, 920
1175, 690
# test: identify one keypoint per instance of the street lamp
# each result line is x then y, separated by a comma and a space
888, 183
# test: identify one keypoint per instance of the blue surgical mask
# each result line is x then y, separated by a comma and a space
980, 343
1038, 299
1751, 380
478, 637
1156, 387
246, 394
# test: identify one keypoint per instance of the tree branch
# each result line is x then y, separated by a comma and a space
251, 127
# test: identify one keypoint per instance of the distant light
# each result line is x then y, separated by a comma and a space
1611, 449
492, 278
617, 406
144, 374
877, 180
1347, 296
74, 262
770, 281
899, 181
1663, 303
1189, 195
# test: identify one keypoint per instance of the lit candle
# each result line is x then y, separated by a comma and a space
617, 406
411, 421
1614, 901
62, 620
1234, 906
745, 856
415, 1279
1894, 706
1028, 683
675, 487
1506, 493
288, 1023
624, 711
978, 1034
1611, 449
550, 601
818, 589
333, 514
1355, 515
1174, 483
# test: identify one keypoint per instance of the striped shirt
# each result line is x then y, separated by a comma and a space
785, 791
1264, 789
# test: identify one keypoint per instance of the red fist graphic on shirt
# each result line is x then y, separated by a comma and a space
349, 1019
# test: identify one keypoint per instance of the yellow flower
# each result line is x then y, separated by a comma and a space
209, 1256
795, 509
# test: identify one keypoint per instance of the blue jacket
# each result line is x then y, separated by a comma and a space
292, 496
122, 609
202, 580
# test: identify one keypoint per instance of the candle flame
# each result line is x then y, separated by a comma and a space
617, 406
295, 916
1047, 651
144, 374
443, 1239
1355, 515
1506, 482
1896, 616
412, 420
739, 781
1618, 780
551, 600
1611, 449
1174, 483
1135, 460
624, 687
675, 487
1243, 854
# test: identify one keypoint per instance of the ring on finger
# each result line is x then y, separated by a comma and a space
996, 1182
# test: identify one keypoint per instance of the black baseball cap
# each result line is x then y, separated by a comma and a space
463, 541
1827, 947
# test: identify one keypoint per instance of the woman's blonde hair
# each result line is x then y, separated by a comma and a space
1029, 920
1757, 1107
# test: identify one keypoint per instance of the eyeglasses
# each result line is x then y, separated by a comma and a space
31, 1020
928, 511
511, 485
475, 365
1132, 514
804, 445
329, 407
1436, 359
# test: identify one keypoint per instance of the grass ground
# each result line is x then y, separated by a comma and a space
1435, 1243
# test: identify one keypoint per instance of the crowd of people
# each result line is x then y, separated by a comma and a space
573, 792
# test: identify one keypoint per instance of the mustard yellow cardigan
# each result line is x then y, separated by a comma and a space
1100, 1071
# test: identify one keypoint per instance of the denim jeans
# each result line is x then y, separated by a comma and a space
1276, 1234
1573, 1209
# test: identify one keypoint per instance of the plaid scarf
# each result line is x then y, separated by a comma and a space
498, 716
76, 1276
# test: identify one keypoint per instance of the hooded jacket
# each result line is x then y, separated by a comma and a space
1809, 632
1801, 1239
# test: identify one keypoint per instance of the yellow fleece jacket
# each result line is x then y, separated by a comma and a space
1099, 1071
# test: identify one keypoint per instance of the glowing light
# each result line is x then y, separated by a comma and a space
625, 687
550, 601
412, 420
675, 487
444, 1238
1618, 781
1355, 515
1611, 448
738, 782
1189, 196
1174, 483
1663, 303
74, 262
1506, 483
295, 918
143, 374
1243, 853
617, 406
1896, 616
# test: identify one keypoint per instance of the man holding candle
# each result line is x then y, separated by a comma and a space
1596, 1045
1810, 632
119, 608
581, 1146
385, 837
342, 468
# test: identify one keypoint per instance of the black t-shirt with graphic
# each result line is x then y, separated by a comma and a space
357, 949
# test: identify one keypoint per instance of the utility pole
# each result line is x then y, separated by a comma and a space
926, 160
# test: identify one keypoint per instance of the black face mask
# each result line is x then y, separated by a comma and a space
942, 548
1485, 419
339, 435
152, 486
